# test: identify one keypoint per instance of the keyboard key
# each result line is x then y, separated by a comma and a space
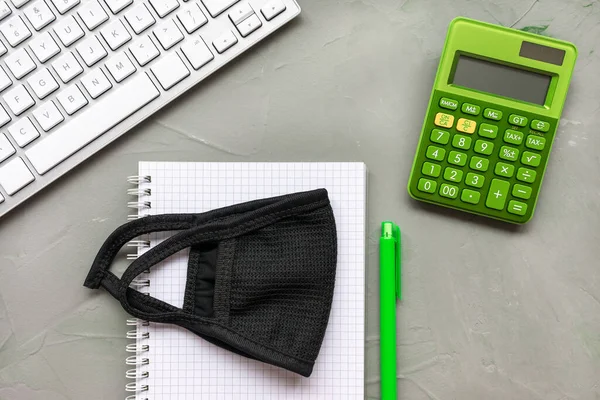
15, 30
517, 120
484, 147
118, 5
6, 149
19, 63
449, 191
44, 47
5, 10
42, 83
453, 174
139, 18
15, 175
117, 105
509, 153
68, 30
431, 169
504, 169
4, 80
144, 50
91, 50
457, 158
471, 109
67, 67
4, 117
224, 41
96, 83
48, 116
479, 163
168, 34
497, 194
192, 17
470, 196
1, 198
435, 153
164, 7
541, 126
439, 136
92, 14
115, 34
461, 142
23, 132
427, 185
39, 14
18, 99
526, 175
444, 120
488, 131
65, 5
531, 159
197, 52
492, 114
474, 180
249, 25
513, 137
535, 142
272, 9
120, 67
517, 207
240, 12
170, 70
521, 191
216, 7
72, 99
19, 3
2, 49
466, 125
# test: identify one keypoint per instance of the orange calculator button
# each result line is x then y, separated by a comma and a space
466, 125
444, 120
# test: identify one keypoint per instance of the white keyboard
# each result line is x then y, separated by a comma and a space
77, 74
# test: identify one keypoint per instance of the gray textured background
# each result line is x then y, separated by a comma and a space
490, 311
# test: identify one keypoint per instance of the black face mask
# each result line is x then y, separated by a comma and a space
260, 276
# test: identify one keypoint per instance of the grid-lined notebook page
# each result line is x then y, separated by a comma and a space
184, 366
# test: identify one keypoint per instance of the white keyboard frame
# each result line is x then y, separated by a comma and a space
208, 32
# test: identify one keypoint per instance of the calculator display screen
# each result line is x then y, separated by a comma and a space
502, 80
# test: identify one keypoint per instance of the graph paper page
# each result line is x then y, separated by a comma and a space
182, 366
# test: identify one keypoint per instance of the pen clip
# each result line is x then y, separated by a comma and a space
398, 261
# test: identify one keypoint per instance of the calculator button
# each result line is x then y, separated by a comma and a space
484, 147
453, 174
471, 109
521, 191
457, 158
470, 196
444, 120
450, 104
531, 159
509, 153
474, 180
504, 169
513, 137
496, 197
535, 142
517, 120
516, 207
466, 125
431, 169
449, 191
461, 142
490, 113
479, 164
427, 185
541, 126
526, 175
439, 136
488, 131
435, 153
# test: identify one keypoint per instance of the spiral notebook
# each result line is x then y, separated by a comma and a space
169, 363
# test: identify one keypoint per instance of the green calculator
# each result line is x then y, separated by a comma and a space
492, 117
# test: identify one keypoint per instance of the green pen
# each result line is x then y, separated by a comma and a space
390, 289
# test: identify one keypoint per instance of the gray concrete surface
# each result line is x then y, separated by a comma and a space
490, 311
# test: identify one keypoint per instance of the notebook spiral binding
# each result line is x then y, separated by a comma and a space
139, 335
